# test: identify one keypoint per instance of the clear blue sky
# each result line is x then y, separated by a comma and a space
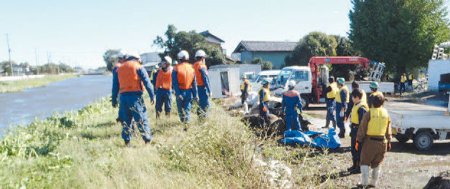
80, 31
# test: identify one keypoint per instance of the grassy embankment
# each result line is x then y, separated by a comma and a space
83, 149
20, 85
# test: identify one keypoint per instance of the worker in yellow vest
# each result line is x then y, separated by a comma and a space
245, 88
375, 135
410, 80
342, 99
330, 93
355, 86
403, 81
263, 98
374, 88
358, 111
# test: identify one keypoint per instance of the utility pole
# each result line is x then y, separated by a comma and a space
9, 54
36, 55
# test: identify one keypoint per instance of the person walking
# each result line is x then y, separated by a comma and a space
330, 92
374, 88
410, 80
245, 88
130, 80
163, 87
342, 100
358, 111
375, 135
289, 104
403, 81
185, 86
121, 58
204, 88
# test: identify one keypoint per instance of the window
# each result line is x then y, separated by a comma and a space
299, 76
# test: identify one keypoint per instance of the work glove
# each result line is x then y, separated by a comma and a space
152, 101
179, 97
196, 99
389, 146
114, 104
345, 118
210, 94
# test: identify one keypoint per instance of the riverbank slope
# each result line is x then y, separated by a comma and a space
20, 85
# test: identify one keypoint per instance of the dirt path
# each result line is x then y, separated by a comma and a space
404, 166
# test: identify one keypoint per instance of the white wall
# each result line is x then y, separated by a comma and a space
216, 86
435, 69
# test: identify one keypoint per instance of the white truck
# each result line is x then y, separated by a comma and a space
310, 80
423, 126
270, 75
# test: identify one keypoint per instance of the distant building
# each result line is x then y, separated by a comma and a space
214, 40
272, 51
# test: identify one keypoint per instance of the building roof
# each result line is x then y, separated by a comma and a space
207, 34
265, 46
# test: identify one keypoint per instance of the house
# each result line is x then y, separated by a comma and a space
213, 40
272, 51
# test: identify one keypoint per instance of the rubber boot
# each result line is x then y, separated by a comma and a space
327, 124
352, 167
334, 124
245, 107
357, 169
127, 143
364, 175
158, 114
374, 179
147, 141
168, 114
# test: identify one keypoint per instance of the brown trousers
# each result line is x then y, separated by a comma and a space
373, 151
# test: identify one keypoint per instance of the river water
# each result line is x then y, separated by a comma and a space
71, 94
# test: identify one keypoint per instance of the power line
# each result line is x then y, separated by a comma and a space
9, 54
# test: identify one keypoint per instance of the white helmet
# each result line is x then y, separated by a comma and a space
291, 84
200, 53
167, 59
121, 54
183, 55
133, 55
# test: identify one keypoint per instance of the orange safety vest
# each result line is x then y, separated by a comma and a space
129, 80
291, 93
164, 79
197, 67
185, 75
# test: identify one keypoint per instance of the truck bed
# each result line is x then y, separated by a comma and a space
385, 87
419, 119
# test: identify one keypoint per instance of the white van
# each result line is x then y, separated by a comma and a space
271, 75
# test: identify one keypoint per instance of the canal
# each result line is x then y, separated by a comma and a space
71, 94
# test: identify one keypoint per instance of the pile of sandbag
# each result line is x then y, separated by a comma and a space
312, 138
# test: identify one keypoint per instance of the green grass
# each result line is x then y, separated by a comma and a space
84, 149
20, 85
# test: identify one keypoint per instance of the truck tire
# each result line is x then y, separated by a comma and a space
402, 138
305, 102
423, 140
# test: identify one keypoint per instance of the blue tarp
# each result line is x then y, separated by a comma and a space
324, 141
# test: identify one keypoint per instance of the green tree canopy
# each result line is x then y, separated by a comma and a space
6, 67
265, 65
110, 58
173, 42
400, 33
313, 44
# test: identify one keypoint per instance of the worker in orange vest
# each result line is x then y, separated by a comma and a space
130, 80
204, 89
163, 87
185, 86
121, 58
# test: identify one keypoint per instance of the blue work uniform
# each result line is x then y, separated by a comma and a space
163, 87
204, 89
342, 99
263, 98
185, 85
130, 80
289, 103
330, 93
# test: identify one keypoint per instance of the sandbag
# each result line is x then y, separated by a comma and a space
295, 137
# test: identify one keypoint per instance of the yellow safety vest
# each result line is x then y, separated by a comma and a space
334, 89
403, 79
151, 75
421, 76
410, 77
243, 86
338, 95
355, 116
267, 96
379, 120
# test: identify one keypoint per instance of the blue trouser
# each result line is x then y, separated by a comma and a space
184, 106
292, 118
203, 102
339, 119
132, 106
402, 88
356, 154
163, 97
331, 106
264, 114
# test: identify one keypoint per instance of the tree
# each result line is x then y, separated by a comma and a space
313, 44
400, 33
265, 65
191, 41
6, 66
110, 58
